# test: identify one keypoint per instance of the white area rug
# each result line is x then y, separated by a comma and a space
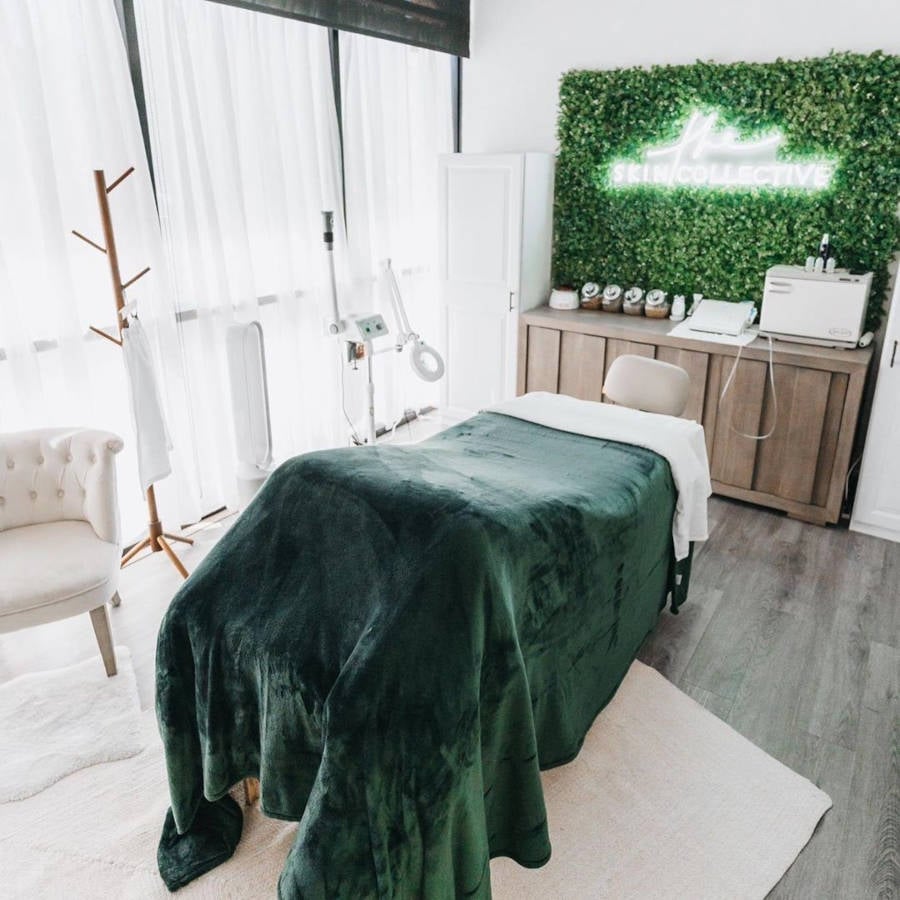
666, 801
93, 836
663, 801
57, 722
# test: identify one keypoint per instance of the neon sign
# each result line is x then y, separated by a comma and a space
705, 156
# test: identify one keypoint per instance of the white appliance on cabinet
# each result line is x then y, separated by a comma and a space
876, 509
495, 234
826, 308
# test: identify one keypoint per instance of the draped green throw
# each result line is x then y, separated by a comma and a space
395, 640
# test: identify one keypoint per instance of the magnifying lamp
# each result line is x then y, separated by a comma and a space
426, 361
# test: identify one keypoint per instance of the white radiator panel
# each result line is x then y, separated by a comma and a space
249, 395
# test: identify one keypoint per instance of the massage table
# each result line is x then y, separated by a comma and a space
396, 640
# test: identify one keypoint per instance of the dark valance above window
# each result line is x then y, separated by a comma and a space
435, 24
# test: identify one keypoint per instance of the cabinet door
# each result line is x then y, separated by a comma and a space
696, 365
479, 260
582, 365
542, 369
877, 506
787, 462
740, 413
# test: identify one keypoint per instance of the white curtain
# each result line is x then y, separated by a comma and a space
397, 115
68, 108
246, 155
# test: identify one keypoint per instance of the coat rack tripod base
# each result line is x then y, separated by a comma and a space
157, 539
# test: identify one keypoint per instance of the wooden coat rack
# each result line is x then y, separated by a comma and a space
156, 539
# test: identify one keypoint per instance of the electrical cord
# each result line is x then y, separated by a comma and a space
728, 381
847, 479
354, 435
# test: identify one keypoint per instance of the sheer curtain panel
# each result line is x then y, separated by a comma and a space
397, 105
244, 137
68, 109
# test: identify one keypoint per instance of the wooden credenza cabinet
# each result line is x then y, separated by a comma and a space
800, 469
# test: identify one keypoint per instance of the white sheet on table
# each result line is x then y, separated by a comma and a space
679, 441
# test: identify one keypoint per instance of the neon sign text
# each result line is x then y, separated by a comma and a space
707, 156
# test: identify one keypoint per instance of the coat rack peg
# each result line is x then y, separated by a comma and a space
102, 333
87, 240
119, 180
133, 280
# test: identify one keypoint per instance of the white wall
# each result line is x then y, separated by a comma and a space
521, 47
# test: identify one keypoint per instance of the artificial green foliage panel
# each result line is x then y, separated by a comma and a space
720, 240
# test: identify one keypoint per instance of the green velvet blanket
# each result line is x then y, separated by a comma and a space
395, 641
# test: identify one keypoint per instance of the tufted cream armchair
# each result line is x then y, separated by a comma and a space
59, 530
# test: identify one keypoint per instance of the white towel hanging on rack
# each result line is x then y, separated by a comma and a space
152, 435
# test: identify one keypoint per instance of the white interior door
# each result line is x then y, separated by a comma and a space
876, 509
479, 261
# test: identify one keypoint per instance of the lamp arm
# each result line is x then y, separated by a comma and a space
336, 325
406, 333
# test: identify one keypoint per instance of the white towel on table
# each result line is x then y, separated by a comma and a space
679, 441
153, 441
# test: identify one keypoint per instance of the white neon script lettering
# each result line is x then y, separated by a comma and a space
707, 156
699, 141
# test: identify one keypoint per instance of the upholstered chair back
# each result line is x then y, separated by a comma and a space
57, 474
648, 384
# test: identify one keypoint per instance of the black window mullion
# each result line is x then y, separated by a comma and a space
434, 24
128, 25
334, 47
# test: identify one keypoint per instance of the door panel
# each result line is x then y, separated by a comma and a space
477, 356
878, 498
479, 254
478, 217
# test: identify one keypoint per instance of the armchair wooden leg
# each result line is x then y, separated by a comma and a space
100, 621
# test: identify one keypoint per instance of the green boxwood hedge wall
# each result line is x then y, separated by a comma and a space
721, 241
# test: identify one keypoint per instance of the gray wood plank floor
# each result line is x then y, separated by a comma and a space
791, 634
